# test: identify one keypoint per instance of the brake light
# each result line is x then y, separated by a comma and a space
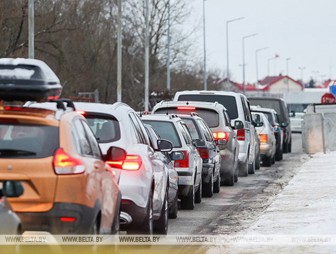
64, 164
241, 134
263, 138
220, 135
183, 163
67, 219
81, 112
204, 153
186, 108
131, 162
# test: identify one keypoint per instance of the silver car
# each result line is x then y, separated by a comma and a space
266, 137
168, 160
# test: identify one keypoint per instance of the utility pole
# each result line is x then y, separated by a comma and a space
147, 57
119, 55
31, 29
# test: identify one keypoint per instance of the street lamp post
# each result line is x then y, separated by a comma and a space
205, 83
268, 63
256, 58
227, 46
147, 56
243, 45
31, 29
168, 50
287, 60
119, 54
301, 68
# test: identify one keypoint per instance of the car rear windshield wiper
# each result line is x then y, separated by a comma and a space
15, 152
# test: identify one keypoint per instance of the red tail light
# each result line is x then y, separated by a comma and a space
241, 134
131, 162
263, 138
65, 164
186, 108
67, 219
221, 135
183, 163
204, 153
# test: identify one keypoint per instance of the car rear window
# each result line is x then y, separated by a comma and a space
228, 101
27, 141
211, 117
106, 129
192, 127
274, 104
166, 130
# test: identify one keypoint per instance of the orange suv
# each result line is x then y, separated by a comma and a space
68, 186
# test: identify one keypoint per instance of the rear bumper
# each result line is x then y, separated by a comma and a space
51, 221
137, 213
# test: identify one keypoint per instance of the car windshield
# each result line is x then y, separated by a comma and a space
105, 129
166, 130
228, 101
274, 104
22, 141
211, 117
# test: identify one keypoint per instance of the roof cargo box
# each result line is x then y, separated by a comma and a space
24, 79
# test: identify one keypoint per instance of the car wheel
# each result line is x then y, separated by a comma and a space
207, 190
243, 169
267, 161
273, 159
290, 146
95, 227
285, 147
216, 185
161, 225
257, 161
278, 154
189, 201
251, 168
147, 225
198, 195
229, 179
174, 209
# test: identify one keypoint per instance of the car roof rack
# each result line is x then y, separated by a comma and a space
64, 104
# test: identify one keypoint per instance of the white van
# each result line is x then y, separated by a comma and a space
238, 108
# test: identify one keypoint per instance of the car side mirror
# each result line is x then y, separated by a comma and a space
12, 189
177, 155
238, 125
198, 142
164, 145
115, 154
284, 124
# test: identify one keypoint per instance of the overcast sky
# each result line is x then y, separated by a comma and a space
303, 31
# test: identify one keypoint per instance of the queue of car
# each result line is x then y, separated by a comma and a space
125, 171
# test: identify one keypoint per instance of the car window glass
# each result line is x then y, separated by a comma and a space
84, 145
228, 101
192, 127
104, 128
185, 133
140, 131
245, 109
92, 140
166, 130
18, 140
205, 130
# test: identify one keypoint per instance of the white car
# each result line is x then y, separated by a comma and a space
189, 169
296, 119
239, 112
143, 180
266, 137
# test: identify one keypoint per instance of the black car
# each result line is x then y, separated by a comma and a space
280, 106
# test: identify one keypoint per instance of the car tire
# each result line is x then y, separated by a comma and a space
188, 202
267, 161
147, 225
198, 194
243, 169
285, 148
161, 225
278, 154
251, 168
229, 179
174, 209
207, 189
216, 185
290, 146
257, 162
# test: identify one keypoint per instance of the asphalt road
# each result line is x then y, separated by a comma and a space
236, 207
